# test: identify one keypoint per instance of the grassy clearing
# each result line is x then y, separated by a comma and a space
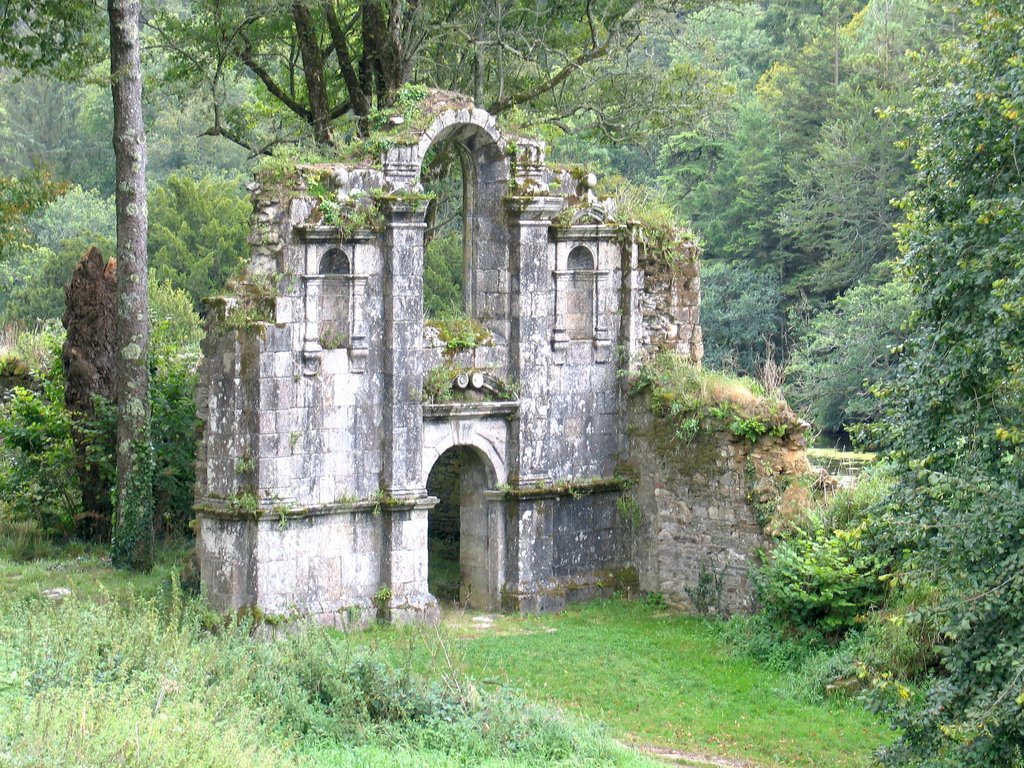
125, 670
85, 570
655, 678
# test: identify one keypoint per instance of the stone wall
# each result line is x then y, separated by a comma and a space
670, 303
703, 505
311, 487
574, 546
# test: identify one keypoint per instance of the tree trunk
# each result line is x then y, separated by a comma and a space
132, 544
89, 355
313, 71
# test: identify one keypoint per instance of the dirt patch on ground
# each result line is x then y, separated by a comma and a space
677, 757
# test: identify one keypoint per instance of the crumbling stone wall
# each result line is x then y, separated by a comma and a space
670, 303
703, 506
311, 486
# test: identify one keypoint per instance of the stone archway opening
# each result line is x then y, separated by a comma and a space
445, 244
462, 560
466, 263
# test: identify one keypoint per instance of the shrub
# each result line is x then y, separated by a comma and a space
37, 456
38, 481
820, 581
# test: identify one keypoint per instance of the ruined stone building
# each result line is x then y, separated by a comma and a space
328, 403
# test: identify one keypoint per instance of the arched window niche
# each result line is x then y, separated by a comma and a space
466, 254
580, 286
333, 299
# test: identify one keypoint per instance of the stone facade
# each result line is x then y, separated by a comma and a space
317, 444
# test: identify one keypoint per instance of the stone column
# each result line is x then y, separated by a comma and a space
403, 343
533, 310
404, 563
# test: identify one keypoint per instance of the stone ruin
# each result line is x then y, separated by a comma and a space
313, 481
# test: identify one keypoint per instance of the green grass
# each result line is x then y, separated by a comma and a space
85, 569
126, 667
655, 678
128, 671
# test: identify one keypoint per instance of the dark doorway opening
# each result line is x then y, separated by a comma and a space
459, 563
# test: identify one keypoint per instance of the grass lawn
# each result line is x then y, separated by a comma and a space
655, 678
86, 571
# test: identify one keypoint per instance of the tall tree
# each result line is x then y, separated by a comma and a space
317, 60
133, 515
957, 410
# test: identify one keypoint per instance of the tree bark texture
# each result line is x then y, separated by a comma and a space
313, 66
89, 356
132, 544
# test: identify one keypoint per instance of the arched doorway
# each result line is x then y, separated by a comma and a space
463, 554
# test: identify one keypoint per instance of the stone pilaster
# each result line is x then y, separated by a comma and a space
533, 298
403, 342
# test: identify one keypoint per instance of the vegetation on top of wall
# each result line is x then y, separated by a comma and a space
439, 386
458, 331
664, 239
402, 124
358, 213
698, 400
250, 303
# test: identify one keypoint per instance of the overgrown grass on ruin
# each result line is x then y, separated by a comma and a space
696, 399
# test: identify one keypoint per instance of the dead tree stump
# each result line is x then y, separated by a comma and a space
90, 318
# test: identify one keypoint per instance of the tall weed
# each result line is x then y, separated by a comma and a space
162, 682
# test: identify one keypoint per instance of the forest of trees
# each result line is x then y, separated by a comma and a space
853, 170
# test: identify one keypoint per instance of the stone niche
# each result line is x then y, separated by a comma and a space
311, 493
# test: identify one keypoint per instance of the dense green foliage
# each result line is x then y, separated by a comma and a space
740, 310
38, 483
19, 198
197, 232
956, 411
820, 580
197, 240
847, 351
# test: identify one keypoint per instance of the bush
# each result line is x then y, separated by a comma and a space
38, 481
37, 457
820, 581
